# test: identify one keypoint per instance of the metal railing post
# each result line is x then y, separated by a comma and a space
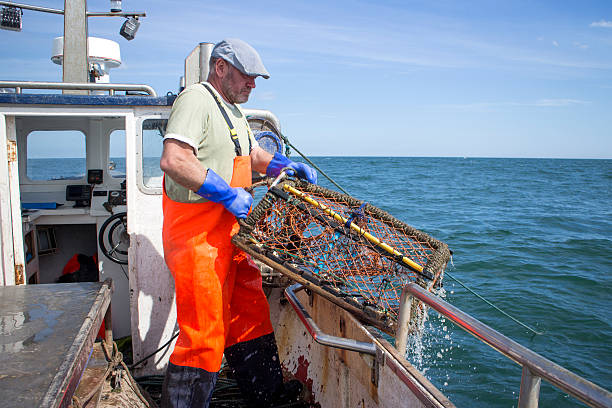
530, 389
403, 321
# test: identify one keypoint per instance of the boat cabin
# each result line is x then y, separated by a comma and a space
81, 193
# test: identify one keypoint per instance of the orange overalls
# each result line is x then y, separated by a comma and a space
219, 295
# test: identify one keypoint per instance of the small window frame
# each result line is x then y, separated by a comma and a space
107, 169
140, 154
54, 181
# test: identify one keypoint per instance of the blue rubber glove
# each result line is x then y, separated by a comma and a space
302, 170
235, 199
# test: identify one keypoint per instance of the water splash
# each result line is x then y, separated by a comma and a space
431, 345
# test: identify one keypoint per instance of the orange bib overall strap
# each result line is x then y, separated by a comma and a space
242, 174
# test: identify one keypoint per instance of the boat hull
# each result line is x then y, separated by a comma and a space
343, 378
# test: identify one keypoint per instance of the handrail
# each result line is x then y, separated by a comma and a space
58, 11
534, 365
317, 334
111, 88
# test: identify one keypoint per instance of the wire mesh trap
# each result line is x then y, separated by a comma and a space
350, 252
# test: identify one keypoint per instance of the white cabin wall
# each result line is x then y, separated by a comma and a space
6, 227
15, 207
151, 284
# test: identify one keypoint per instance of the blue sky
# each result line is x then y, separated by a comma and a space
387, 78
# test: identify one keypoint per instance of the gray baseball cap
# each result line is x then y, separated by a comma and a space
242, 56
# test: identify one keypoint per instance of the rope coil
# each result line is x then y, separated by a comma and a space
115, 362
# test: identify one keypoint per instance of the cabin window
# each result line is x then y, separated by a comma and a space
56, 155
116, 154
153, 131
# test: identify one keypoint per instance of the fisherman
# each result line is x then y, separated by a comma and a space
209, 152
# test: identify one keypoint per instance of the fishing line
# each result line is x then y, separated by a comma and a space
493, 306
313, 165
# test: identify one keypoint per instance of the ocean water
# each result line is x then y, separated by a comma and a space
533, 236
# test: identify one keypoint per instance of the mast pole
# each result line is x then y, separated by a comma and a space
75, 65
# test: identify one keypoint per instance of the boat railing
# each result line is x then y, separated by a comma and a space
535, 367
317, 334
18, 86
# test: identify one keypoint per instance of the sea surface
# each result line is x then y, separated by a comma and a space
533, 236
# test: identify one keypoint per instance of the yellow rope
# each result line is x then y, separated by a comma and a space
371, 238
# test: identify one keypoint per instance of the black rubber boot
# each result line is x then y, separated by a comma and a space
291, 392
256, 368
187, 387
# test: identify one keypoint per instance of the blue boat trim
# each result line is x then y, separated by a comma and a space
39, 206
92, 100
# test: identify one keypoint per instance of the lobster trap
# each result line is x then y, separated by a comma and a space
350, 252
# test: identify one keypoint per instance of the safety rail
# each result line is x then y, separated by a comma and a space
87, 86
535, 367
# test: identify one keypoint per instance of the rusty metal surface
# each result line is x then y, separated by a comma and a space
19, 275
46, 337
343, 378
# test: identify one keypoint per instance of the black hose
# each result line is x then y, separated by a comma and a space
166, 344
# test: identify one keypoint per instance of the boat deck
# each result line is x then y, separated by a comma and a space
46, 338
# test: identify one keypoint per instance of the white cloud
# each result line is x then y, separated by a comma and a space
602, 24
580, 45
266, 96
496, 106
556, 44
559, 102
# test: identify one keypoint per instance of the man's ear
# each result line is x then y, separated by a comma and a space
221, 67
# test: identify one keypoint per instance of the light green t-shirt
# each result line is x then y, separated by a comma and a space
195, 119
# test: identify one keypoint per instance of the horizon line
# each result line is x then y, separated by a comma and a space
390, 156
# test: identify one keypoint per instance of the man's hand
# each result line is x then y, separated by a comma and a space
303, 171
241, 205
236, 200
